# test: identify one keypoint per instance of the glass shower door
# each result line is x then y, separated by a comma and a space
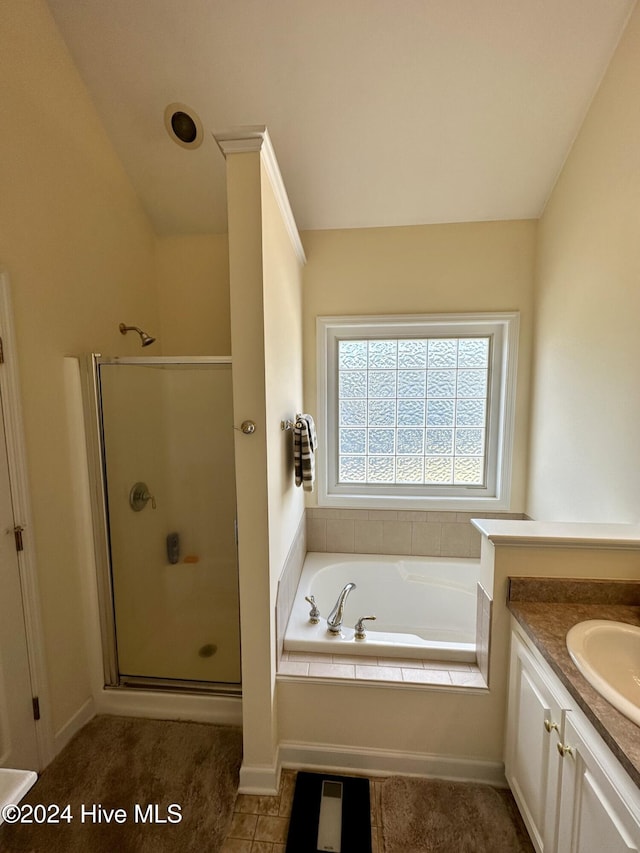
167, 431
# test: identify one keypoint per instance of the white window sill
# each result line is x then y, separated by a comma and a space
434, 504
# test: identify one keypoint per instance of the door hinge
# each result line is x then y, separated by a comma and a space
36, 708
17, 532
1, 352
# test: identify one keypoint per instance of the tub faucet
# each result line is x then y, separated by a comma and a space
334, 619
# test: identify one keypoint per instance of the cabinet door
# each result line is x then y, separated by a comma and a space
532, 761
595, 815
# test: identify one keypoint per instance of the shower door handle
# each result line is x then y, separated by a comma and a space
139, 496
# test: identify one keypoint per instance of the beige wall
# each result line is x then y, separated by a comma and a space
585, 453
79, 253
425, 269
282, 275
193, 292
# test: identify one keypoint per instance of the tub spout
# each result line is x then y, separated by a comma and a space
334, 619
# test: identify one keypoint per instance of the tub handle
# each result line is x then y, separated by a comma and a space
314, 613
360, 629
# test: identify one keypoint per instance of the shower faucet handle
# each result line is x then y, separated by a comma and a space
139, 496
314, 613
360, 629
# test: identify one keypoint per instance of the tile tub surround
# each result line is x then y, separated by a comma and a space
416, 533
395, 671
546, 623
288, 582
383, 668
484, 612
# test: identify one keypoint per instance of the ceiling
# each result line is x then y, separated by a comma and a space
381, 112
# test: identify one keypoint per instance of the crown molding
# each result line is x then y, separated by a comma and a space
252, 139
241, 140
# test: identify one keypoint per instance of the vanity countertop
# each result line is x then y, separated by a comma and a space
546, 623
558, 534
14, 784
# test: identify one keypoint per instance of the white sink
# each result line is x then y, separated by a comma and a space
607, 653
14, 784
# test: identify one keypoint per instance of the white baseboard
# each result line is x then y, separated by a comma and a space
221, 710
265, 779
340, 759
61, 738
261, 779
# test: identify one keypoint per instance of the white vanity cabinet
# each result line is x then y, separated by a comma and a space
599, 809
532, 761
572, 793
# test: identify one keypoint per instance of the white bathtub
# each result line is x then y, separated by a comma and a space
425, 607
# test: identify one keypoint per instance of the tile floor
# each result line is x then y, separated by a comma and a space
396, 670
260, 824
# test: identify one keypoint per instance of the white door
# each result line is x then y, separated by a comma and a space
18, 745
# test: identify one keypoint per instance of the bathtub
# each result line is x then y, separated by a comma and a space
425, 607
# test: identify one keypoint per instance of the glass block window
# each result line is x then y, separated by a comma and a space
413, 410
422, 413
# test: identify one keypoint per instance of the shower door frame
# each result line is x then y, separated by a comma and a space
96, 462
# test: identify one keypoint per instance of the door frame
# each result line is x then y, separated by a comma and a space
21, 502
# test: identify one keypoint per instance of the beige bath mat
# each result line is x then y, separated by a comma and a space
436, 816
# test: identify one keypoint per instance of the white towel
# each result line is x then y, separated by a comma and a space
304, 449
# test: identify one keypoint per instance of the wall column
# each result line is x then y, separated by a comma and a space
263, 262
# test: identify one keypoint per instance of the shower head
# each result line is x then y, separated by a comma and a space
144, 337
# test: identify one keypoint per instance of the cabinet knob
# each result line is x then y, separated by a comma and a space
563, 749
550, 726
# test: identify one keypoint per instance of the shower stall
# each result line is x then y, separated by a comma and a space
160, 432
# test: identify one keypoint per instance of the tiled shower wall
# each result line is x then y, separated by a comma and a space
423, 534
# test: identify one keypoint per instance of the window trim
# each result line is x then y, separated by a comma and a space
503, 327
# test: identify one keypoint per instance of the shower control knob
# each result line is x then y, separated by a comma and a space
139, 496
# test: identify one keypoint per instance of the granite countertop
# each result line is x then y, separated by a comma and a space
546, 623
